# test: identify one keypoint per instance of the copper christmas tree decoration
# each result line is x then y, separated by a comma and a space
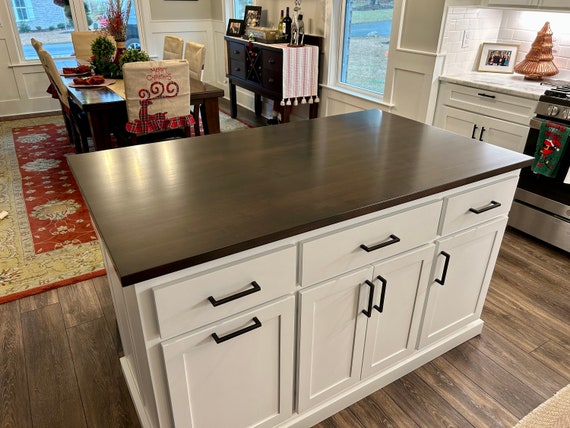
538, 62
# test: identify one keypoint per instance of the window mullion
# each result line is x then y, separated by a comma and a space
78, 14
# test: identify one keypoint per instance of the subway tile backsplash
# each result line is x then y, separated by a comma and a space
466, 28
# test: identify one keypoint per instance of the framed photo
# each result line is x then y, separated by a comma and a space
235, 28
498, 57
252, 16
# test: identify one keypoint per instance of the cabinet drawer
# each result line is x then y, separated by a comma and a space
272, 80
478, 205
272, 60
483, 101
236, 51
237, 68
339, 252
199, 300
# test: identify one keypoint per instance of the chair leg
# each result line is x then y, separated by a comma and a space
196, 115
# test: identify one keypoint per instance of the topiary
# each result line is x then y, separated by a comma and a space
133, 55
103, 50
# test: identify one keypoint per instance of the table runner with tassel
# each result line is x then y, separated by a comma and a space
300, 74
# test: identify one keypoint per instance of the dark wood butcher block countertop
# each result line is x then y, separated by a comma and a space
167, 206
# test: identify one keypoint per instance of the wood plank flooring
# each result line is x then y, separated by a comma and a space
59, 361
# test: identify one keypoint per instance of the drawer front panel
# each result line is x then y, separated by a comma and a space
272, 60
272, 80
196, 301
495, 104
478, 205
340, 252
237, 68
237, 51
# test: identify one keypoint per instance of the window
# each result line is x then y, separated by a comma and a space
239, 8
52, 21
22, 10
365, 43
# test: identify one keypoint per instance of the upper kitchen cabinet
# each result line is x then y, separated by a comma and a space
540, 4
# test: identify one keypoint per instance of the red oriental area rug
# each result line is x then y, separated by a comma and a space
47, 240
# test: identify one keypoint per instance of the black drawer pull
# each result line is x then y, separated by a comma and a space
492, 205
482, 94
445, 266
391, 240
255, 288
271, 80
229, 336
368, 312
237, 52
237, 69
473, 133
271, 61
380, 306
481, 134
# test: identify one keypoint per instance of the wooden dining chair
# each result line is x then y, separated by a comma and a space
75, 119
173, 47
82, 41
195, 54
157, 94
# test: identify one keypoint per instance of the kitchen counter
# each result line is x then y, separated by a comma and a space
511, 84
168, 206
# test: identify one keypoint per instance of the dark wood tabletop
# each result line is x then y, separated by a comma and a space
167, 206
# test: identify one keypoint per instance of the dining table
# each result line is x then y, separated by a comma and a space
106, 108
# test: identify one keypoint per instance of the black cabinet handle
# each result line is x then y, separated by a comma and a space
492, 205
391, 240
237, 69
271, 61
380, 306
229, 336
482, 94
271, 80
481, 134
255, 288
445, 266
475, 127
368, 312
237, 52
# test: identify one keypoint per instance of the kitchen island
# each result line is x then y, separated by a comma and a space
273, 276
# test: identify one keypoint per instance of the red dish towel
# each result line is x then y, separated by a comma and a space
300, 74
550, 148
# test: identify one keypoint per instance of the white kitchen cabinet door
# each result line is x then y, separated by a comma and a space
332, 329
392, 330
554, 4
463, 270
244, 381
499, 132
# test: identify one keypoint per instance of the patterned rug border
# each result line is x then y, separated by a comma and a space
553, 413
12, 201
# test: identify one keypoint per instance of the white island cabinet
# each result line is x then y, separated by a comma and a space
273, 279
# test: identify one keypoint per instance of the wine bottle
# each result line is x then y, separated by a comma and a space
287, 23
281, 26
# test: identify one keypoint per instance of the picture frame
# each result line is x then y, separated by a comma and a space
236, 28
498, 57
252, 16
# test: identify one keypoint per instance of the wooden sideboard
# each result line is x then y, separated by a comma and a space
260, 70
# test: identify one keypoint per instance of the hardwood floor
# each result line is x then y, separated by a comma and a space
59, 362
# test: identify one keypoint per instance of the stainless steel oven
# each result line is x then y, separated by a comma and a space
542, 204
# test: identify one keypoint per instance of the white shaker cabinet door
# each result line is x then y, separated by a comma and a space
245, 380
463, 270
332, 329
392, 331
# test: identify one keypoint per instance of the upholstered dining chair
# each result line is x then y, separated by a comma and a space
195, 54
82, 41
75, 120
157, 94
173, 47
37, 45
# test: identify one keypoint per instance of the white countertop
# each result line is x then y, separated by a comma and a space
512, 84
